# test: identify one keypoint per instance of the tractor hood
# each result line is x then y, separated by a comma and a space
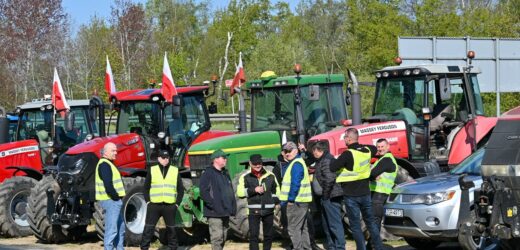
95, 145
393, 131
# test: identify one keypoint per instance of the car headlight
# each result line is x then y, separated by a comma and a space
427, 199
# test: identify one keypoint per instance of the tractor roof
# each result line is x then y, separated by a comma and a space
38, 103
431, 69
146, 94
292, 81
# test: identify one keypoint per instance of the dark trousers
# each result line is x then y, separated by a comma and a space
378, 207
154, 211
254, 230
357, 206
333, 223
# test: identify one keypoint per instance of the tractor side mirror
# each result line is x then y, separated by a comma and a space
347, 95
176, 107
445, 88
69, 121
212, 108
314, 93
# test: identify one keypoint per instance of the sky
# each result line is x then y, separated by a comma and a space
81, 11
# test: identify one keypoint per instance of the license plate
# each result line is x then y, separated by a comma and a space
393, 212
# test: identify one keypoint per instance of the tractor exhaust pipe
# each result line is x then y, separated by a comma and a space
356, 99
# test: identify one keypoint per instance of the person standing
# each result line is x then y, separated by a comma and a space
331, 197
296, 195
216, 190
353, 167
163, 194
382, 179
109, 192
261, 189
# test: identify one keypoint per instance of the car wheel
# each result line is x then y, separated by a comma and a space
422, 243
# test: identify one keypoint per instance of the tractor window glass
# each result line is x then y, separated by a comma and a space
327, 109
479, 106
273, 109
79, 130
35, 124
193, 116
139, 117
404, 97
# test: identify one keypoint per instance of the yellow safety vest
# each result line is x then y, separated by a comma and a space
361, 168
305, 193
163, 189
101, 193
386, 180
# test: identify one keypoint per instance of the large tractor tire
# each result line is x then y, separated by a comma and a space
14, 194
37, 212
134, 211
239, 223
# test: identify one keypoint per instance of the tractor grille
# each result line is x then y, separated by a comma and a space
198, 163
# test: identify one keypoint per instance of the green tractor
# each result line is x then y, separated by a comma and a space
288, 108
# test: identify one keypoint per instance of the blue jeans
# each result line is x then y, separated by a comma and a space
114, 225
357, 206
332, 223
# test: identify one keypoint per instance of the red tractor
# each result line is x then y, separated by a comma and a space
63, 204
432, 115
38, 143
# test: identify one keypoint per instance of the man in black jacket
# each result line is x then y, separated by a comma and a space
353, 167
261, 189
216, 190
331, 198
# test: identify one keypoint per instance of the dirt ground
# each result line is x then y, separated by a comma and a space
92, 243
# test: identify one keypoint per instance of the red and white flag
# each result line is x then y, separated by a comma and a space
168, 89
240, 77
58, 96
110, 85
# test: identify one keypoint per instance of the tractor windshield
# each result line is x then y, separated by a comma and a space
37, 124
139, 117
193, 118
322, 107
273, 109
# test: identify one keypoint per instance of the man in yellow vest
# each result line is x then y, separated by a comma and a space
353, 169
296, 195
382, 179
163, 193
110, 191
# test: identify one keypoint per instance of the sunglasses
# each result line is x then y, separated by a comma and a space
287, 151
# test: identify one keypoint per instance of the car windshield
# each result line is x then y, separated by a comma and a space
470, 165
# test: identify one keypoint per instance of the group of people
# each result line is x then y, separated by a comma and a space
350, 179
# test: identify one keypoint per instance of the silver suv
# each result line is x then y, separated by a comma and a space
425, 212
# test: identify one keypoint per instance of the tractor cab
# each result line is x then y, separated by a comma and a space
434, 101
160, 124
306, 104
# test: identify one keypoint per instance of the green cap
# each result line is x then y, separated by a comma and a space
218, 153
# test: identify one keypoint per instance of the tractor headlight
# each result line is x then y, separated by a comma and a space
427, 199
161, 135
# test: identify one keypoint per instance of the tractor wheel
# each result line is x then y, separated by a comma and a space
134, 212
37, 212
14, 193
239, 223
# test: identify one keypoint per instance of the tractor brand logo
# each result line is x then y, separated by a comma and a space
18, 151
513, 137
382, 128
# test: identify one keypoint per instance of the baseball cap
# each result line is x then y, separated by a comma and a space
256, 159
164, 154
218, 153
289, 146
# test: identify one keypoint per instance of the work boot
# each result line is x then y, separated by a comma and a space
315, 246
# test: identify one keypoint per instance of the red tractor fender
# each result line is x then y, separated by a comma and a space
461, 145
24, 153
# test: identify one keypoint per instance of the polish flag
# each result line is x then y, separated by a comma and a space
110, 85
58, 97
168, 89
240, 77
